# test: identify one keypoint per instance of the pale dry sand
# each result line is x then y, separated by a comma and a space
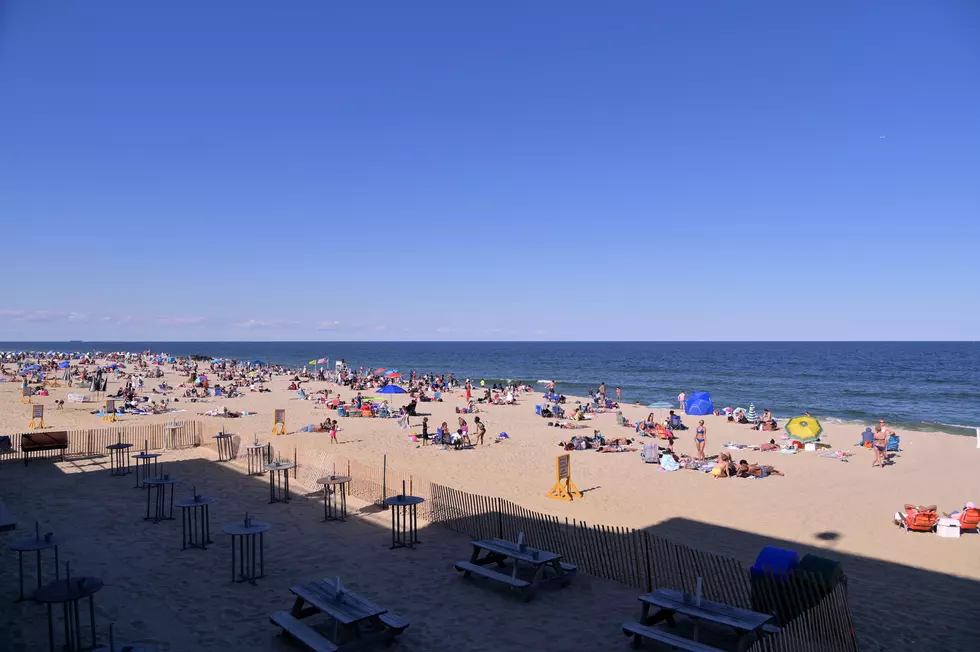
843, 510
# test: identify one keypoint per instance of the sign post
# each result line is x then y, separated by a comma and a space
279, 422
25, 394
564, 488
110, 411
37, 417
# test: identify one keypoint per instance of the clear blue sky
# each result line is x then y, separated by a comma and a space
498, 170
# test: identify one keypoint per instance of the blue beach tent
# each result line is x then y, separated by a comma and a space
699, 404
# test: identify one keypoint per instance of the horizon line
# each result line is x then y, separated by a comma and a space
298, 341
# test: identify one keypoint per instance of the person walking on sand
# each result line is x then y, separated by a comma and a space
619, 394
880, 441
680, 399
701, 438
602, 393
425, 431
481, 430
469, 390
333, 432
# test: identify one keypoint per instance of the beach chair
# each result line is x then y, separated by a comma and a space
301, 394
917, 519
341, 411
969, 519
537, 410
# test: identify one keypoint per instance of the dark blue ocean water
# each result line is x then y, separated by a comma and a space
924, 386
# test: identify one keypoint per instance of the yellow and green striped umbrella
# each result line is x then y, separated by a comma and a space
804, 429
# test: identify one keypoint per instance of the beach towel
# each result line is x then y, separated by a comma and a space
668, 463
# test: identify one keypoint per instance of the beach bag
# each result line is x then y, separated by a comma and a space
892, 444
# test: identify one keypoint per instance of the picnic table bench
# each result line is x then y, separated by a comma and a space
354, 619
747, 624
499, 550
36, 442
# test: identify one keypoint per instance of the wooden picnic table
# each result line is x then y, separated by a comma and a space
354, 619
747, 624
497, 551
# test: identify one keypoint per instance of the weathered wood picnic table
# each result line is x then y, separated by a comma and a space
534, 559
354, 619
747, 624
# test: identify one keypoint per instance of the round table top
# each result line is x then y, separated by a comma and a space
161, 481
279, 466
403, 500
119, 446
33, 543
143, 455
221, 435
334, 479
62, 591
255, 445
239, 528
190, 502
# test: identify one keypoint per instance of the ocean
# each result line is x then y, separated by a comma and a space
914, 385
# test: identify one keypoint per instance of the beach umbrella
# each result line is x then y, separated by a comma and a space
380, 370
660, 406
64, 365
393, 374
391, 389
699, 404
804, 429
750, 415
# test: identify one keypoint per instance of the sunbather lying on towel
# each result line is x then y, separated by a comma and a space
746, 470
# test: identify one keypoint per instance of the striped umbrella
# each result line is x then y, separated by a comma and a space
751, 413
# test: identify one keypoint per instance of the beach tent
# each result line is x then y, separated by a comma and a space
699, 404
804, 429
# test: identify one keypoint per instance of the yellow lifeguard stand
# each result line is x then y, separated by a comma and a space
279, 422
110, 411
564, 488
37, 417
51, 382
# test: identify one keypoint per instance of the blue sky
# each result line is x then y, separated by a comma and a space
419, 170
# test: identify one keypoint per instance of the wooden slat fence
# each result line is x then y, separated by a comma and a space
93, 441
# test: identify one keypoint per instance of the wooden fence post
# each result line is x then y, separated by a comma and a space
384, 482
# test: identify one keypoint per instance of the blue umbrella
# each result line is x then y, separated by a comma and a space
391, 389
660, 406
64, 365
699, 404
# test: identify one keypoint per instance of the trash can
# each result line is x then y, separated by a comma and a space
828, 572
770, 579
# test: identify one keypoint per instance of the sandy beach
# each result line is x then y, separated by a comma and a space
841, 509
